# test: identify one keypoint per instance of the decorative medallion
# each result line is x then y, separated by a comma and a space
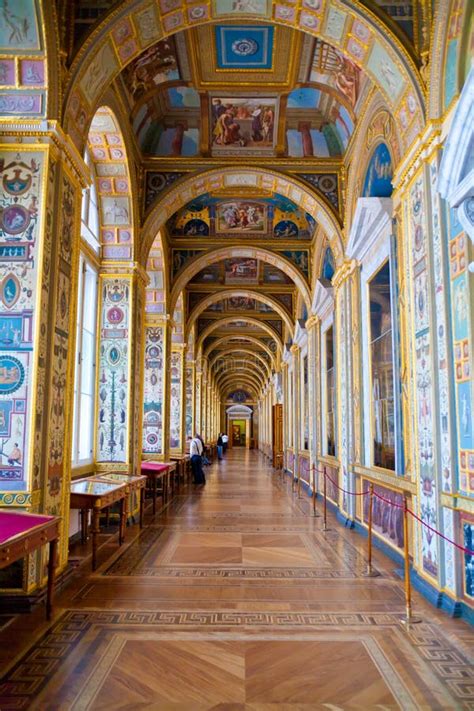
115, 315
14, 219
12, 374
244, 47
114, 355
10, 291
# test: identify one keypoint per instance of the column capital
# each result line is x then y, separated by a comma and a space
344, 271
295, 348
312, 322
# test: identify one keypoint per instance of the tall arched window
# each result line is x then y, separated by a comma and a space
86, 331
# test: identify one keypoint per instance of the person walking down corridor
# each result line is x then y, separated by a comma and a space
195, 450
225, 441
220, 447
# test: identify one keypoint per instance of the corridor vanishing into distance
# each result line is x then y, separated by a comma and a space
234, 598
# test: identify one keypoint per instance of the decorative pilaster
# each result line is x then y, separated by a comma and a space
41, 192
313, 328
295, 352
156, 419
342, 282
177, 403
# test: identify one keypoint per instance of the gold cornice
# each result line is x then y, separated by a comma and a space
395, 482
48, 131
417, 155
175, 164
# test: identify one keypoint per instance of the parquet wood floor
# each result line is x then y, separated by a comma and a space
233, 599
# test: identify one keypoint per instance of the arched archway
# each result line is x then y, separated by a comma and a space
121, 37
220, 323
117, 212
251, 179
231, 251
246, 293
236, 353
247, 338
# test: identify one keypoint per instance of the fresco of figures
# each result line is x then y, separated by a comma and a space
241, 270
243, 125
241, 216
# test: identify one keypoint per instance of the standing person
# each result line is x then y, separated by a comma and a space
225, 441
205, 460
220, 447
195, 450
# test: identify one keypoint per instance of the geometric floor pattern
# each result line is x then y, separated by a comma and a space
233, 598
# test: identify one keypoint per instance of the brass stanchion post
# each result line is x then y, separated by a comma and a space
370, 572
408, 619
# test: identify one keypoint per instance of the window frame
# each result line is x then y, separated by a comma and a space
85, 265
370, 341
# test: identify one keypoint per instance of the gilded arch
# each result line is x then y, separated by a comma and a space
253, 179
246, 337
117, 209
219, 323
237, 352
216, 255
246, 379
239, 367
214, 298
353, 28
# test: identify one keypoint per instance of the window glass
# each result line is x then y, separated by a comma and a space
84, 381
381, 357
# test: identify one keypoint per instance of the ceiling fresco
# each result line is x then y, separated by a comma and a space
240, 271
185, 94
276, 87
275, 218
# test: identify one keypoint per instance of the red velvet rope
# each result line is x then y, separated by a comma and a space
350, 493
387, 501
468, 551
441, 535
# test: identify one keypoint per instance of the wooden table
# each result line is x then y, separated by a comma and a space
95, 494
158, 470
134, 484
22, 533
183, 471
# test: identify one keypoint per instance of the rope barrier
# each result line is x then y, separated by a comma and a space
441, 535
350, 493
387, 501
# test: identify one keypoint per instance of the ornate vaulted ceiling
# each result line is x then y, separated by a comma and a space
245, 94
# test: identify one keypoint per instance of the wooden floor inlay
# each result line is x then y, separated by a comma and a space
233, 599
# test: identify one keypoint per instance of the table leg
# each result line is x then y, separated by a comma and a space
53, 548
123, 518
142, 505
154, 493
107, 516
83, 515
95, 533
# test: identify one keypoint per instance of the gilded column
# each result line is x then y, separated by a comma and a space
198, 402
286, 441
157, 342
342, 282
313, 328
42, 184
177, 400
295, 354
121, 304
